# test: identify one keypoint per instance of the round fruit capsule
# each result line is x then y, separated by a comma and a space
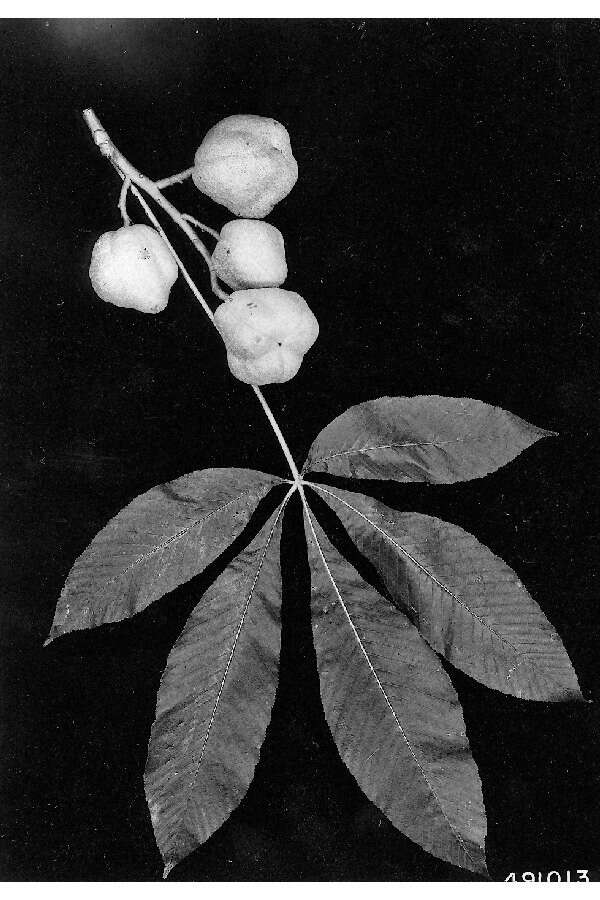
246, 164
266, 332
133, 267
250, 254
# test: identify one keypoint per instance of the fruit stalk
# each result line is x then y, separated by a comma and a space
128, 171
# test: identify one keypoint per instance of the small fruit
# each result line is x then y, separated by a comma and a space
266, 332
246, 164
134, 268
250, 254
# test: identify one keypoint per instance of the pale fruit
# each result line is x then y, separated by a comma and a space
250, 254
133, 267
266, 332
246, 164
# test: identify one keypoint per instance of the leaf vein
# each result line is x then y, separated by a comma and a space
385, 696
425, 571
351, 450
230, 659
175, 537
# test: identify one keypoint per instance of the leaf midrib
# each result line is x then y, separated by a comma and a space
175, 537
386, 698
393, 446
228, 664
425, 570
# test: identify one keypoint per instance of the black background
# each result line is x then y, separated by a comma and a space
445, 229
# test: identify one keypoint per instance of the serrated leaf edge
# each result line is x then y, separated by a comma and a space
385, 696
544, 432
144, 556
423, 569
503, 640
232, 652
280, 511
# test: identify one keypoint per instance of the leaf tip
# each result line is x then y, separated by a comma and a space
476, 862
575, 696
484, 871
562, 694
167, 869
546, 432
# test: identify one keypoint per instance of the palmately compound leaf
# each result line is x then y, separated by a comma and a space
393, 712
159, 541
466, 602
434, 439
215, 700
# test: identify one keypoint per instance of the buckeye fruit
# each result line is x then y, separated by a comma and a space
266, 332
133, 267
246, 164
250, 254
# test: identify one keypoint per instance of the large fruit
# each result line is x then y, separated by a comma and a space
266, 332
134, 268
246, 164
250, 254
